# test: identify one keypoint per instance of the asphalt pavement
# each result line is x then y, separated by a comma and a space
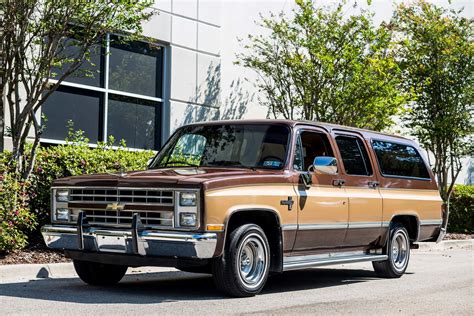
438, 281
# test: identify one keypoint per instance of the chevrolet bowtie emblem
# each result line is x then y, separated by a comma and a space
115, 207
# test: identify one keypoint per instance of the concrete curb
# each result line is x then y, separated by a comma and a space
20, 272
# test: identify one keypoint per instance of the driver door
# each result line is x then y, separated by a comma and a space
322, 205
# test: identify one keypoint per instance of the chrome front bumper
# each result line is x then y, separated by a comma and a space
131, 242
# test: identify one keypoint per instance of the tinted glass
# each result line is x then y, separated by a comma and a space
354, 156
136, 68
82, 107
89, 73
248, 146
399, 160
133, 120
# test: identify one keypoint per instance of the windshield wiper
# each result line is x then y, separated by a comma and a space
183, 162
226, 163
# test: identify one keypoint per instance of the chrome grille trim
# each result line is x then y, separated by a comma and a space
130, 200
122, 195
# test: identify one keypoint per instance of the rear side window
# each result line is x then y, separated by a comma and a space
354, 156
399, 160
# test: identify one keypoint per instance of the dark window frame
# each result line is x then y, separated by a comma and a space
292, 153
429, 179
366, 163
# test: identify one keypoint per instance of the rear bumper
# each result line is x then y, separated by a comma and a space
128, 242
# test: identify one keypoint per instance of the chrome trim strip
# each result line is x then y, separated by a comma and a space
431, 222
289, 227
365, 224
322, 226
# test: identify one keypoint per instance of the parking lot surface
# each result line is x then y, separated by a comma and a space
436, 282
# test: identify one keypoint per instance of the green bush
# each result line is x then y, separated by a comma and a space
15, 217
461, 210
77, 158
25, 206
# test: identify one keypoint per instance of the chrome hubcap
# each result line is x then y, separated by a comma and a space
400, 251
253, 260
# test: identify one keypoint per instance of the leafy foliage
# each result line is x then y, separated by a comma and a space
15, 217
41, 36
25, 205
320, 65
436, 51
461, 214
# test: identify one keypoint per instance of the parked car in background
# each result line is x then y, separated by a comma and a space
243, 199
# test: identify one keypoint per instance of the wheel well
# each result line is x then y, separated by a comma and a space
411, 224
270, 223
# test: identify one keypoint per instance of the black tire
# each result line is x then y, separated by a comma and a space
94, 273
242, 270
398, 251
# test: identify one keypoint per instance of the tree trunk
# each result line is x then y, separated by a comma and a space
2, 121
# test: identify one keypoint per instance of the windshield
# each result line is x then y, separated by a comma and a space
227, 145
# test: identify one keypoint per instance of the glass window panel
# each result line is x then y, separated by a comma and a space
133, 120
136, 67
89, 73
399, 160
354, 156
81, 106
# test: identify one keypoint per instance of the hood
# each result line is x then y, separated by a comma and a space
182, 177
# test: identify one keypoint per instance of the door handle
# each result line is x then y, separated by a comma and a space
373, 184
338, 182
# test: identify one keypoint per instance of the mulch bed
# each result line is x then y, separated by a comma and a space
40, 254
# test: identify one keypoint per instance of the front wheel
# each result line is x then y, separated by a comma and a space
94, 273
398, 254
242, 270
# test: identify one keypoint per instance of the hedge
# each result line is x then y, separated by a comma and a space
461, 210
53, 162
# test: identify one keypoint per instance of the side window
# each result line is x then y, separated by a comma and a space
354, 156
399, 160
308, 146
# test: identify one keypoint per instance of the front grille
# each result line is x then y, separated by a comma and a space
116, 206
151, 197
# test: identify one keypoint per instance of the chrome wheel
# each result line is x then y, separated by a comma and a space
253, 260
400, 250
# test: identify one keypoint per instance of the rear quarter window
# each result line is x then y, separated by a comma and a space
399, 160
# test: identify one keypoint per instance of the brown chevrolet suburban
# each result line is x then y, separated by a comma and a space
243, 199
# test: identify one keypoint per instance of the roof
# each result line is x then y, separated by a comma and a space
327, 126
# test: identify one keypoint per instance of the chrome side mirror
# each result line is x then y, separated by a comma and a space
325, 165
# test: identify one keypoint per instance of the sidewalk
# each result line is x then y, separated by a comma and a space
22, 272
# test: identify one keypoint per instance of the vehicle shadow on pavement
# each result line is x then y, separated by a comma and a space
152, 288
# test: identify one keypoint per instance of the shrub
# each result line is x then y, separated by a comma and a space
461, 210
15, 217
25, 206
77, 158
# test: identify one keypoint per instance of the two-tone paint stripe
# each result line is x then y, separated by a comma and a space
353, 225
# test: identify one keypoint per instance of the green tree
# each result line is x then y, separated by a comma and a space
41, 35
436, 52
320, 65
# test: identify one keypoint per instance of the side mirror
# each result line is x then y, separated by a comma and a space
325, 165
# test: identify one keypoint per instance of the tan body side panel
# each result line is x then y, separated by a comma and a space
220, 203
425, 204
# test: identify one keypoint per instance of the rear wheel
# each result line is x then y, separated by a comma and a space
243, 269
94, 273
398, 254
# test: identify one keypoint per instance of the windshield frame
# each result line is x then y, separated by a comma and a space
168, 147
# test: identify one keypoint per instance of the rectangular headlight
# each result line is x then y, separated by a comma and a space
187, 199
62, 195
62, 214
187, 219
